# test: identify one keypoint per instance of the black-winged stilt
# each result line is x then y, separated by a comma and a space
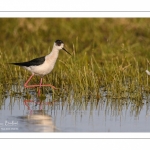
43, 65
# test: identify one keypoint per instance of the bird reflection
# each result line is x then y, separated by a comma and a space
37, 120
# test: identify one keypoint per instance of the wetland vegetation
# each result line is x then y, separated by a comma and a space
109, 58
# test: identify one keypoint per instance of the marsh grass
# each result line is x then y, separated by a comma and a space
108, 54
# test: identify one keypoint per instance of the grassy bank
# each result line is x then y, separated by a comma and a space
107, 54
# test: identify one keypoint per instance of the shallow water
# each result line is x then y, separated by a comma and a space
104, 115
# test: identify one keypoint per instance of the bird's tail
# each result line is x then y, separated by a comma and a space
18, 64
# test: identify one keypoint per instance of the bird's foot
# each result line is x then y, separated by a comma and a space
46, 85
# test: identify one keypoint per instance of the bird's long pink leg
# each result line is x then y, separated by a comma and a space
40, 87
37, 85
31, 86
46, 84
53, 87
28, 86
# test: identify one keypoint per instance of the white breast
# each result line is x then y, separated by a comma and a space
42, 69
47, 66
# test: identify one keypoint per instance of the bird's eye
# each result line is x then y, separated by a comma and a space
59, 44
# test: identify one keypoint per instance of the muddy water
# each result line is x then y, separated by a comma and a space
18, 114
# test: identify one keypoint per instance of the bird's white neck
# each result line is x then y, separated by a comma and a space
53, 55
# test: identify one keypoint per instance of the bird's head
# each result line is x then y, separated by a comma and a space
60, 45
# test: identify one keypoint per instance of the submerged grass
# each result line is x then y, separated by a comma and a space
109, 55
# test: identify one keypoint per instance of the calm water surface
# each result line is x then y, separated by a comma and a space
63, 115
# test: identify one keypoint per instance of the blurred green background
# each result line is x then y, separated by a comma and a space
98, 36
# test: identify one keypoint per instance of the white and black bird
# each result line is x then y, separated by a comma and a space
148, 73
43, 65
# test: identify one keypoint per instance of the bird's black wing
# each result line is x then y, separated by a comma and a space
33, 62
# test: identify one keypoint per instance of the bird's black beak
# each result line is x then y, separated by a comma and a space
66, 51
